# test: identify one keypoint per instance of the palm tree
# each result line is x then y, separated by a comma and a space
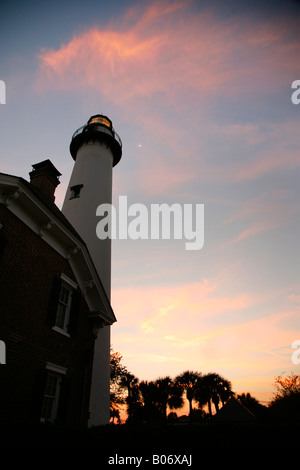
115, 413
187, 381
169, 395
130, 382
149, 393
202, 393
213, 388
222, 391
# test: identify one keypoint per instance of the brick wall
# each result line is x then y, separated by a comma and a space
27, 268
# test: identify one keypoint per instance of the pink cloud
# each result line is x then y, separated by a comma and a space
269, 211
170, 48
170, 53
264, 164
167, 324
245, 343
295, 298
154, 309
176, 330
264, 148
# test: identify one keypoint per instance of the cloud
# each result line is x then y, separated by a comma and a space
267, 162
168, 66
154, 310
268, 211
295, 298
195, 326
248, 151
172, 48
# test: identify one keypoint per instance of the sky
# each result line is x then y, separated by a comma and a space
200, 94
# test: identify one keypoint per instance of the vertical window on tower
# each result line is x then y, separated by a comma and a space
75, 191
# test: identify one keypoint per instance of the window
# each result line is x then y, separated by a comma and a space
75, 191
51, 403
100, 120
51, 397
63, 309
64, 305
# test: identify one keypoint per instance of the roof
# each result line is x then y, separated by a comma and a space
51, 206
42, 215
233, 410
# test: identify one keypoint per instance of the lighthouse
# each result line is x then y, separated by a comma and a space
96, 148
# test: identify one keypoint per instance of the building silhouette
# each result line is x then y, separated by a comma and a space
55, 312
234, 411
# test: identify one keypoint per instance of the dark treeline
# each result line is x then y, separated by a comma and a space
158, 400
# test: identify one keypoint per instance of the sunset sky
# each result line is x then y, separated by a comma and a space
200, 94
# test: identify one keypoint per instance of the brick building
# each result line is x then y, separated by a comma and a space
52, 305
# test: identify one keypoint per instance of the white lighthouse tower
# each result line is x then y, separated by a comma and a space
96, 149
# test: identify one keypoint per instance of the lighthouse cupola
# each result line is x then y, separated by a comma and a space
98, 128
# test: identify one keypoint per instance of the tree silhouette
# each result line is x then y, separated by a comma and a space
286, 386
117, 371
115, 414
202, 393
211, 389
187, 382
120, 380
150, 400
157, 396
168, 394
131, 383
285, 405
247, 400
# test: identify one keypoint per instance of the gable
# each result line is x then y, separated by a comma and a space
47, 221
233, 410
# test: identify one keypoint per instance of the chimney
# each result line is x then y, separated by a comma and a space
45, 177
